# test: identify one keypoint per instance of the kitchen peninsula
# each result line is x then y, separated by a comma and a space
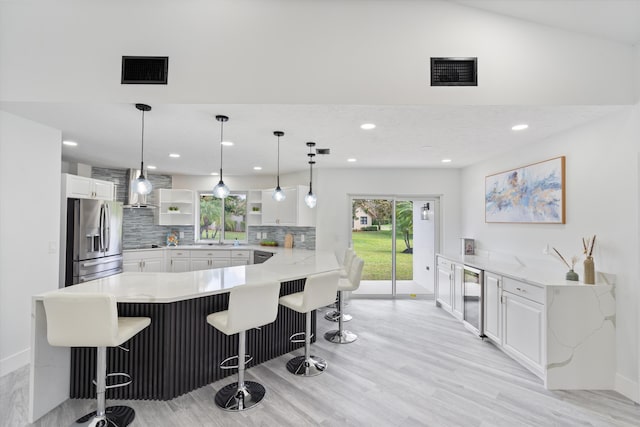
179, 352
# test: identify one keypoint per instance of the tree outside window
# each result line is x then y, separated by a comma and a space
223, 219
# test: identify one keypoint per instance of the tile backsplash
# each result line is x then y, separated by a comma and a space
277, 233
140, 231
138, 227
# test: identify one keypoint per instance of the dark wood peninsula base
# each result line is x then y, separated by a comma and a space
180, 352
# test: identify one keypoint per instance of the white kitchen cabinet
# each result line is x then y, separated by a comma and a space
444, 284
292, 211
207, 259
178, 261
175, 207
143, 261
493, 307
523, 331
80, 187
240, 257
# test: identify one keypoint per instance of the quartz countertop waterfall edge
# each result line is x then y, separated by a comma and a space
285, 265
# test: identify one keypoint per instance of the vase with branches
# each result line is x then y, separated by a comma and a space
571, 274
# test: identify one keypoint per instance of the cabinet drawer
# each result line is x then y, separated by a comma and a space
241, 254
179, 254
444, 263
525, 290
212, 254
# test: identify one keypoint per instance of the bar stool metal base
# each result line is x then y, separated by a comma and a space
333, 316
114, 416
234, 399
337, 337
304, 367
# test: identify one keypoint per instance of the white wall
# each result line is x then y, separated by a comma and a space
29, 228
299, 52
602, 191
333, 224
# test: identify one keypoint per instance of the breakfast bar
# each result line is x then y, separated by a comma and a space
178, 352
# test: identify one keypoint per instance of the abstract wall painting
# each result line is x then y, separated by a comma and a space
532, 194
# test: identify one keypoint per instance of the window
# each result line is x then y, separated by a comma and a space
230, 211
363, 220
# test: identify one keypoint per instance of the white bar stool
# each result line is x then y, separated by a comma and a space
349, 255
319, 289
250, 306
342, 336
91, 320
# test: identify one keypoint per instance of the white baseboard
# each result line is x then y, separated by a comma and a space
14, 362
628, 388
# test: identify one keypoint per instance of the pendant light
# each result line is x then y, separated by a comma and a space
221, 190
142, 185
310, 199
278, 194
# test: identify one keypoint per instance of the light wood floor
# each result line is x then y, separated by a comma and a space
413, 365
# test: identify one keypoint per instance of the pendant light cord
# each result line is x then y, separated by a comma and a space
310, 176
221, 139
142, 149
278, 181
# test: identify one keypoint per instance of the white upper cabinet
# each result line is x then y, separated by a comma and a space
175, 207
291, 211
80, 187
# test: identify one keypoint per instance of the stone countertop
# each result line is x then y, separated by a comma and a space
536, 276
285, 265
214, 247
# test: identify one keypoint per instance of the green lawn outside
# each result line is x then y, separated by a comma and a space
228, 235
374, 247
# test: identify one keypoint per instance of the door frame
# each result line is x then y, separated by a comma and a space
394, 198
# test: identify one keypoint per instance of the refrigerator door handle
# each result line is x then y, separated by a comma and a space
101, 227
101, 261
107, 226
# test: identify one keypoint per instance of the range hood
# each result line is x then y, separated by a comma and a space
135, 200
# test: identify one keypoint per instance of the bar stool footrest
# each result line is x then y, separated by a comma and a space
297, 340
235, 399
247, 358
117, 374
120, 416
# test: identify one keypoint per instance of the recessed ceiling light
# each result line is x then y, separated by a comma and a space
351, 160
151, 167
174, 155
446, 160
257, 168
522, 126
70, 143
227, 143
214, 173
368, 126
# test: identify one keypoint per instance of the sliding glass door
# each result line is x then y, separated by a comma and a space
396, 237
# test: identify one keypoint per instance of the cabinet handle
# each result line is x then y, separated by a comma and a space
502, 299
171, 263
521, 290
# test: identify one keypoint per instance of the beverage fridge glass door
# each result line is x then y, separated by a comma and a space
112, 229
473, 295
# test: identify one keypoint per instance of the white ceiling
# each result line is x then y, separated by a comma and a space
406, 136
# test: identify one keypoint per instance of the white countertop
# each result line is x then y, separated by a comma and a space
533, 275
215, 247
286, 265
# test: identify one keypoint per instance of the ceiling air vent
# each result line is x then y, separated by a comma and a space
454, 71
323, 150
145, 70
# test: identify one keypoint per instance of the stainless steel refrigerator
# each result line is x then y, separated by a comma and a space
94, 240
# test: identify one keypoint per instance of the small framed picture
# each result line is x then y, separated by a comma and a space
468, 246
